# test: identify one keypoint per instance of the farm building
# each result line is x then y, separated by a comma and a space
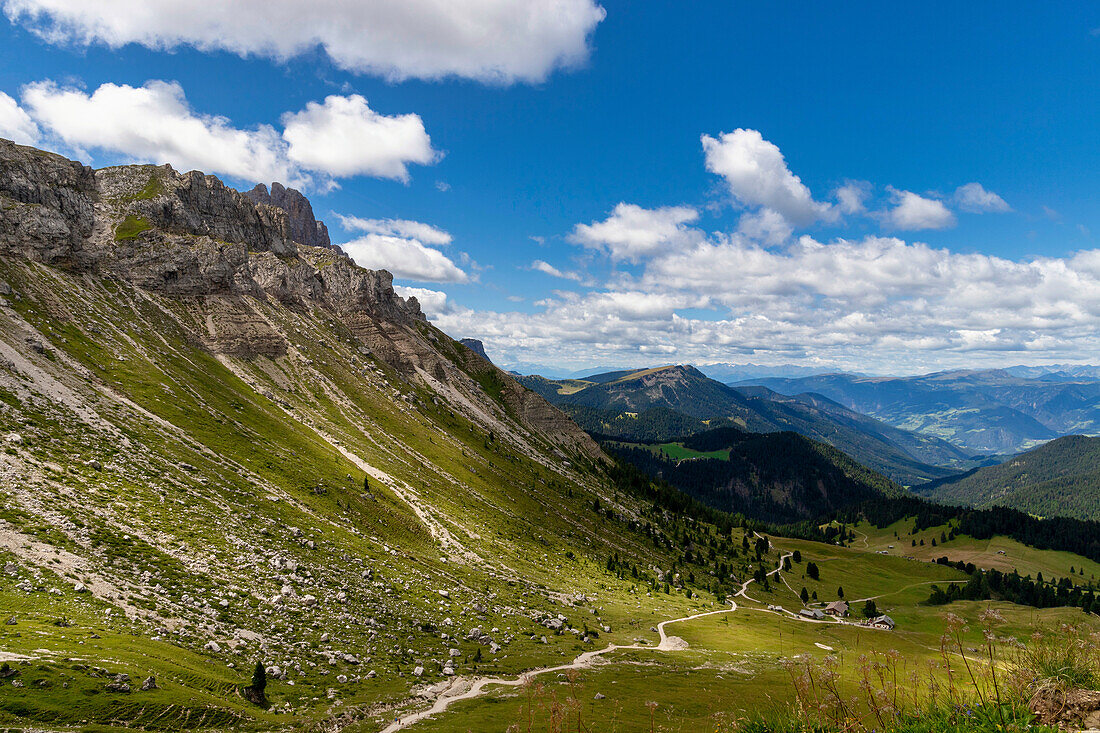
813, 613
882, 622
837, 608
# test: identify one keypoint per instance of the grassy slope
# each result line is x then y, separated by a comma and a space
209, 481
734, 664
983, 553
677, 452
180, 521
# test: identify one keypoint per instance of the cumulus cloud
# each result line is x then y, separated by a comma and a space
405, 258
547, 268
912, 211
15, 124
766, 226
877, 303
344, 137
757, 176
434, 303
499, 41
154, 123
851, 198
631, 232
974, 198
425, 233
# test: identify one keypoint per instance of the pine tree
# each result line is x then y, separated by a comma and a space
259, 679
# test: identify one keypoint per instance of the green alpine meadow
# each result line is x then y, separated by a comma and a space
549, 366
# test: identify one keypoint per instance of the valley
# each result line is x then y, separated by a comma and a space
247, 485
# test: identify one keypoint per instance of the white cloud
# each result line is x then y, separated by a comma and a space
765, 226
852, 197
405, 258
425, 233
876, 304
433, 302
912, 211
344, 137
757, 175
15, 124
498, 41
546, 267
975, 199
632, 232
154, 123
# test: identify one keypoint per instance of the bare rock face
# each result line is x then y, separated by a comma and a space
193, 204
303, 227
46, 204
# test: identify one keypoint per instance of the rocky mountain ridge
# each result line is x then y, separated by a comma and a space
190, 235
304, 228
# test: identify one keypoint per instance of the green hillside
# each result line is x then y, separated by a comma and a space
778, 477
1060, 478
219, 453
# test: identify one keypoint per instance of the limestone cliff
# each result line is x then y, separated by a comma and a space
304, 228
219, 252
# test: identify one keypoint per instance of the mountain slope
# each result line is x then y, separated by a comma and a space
1061, 478
783, 477
223, 446
649, 403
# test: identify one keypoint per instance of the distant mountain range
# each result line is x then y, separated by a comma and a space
1051, 372
1061, 478
981, 411
671, 401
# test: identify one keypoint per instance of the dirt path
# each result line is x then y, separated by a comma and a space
459, 691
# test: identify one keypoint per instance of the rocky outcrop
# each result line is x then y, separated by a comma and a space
475, 346
303, 227
46, 204
193, 204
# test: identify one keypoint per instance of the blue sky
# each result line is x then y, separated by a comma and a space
885, 188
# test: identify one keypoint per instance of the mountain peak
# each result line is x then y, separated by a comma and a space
304, 228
